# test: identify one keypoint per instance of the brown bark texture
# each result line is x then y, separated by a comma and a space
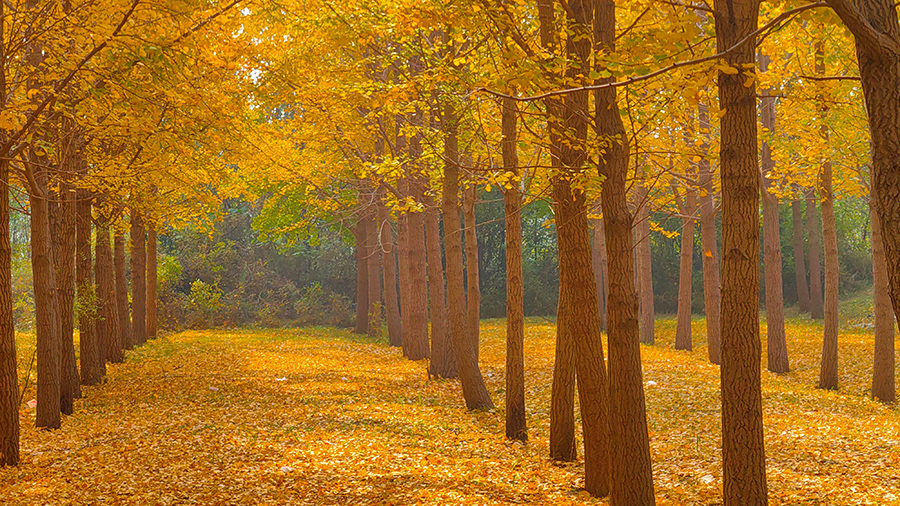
126, 333
601, 276
389, 274
516, 427
473, 387
88, 343
473, 285
152, 274
9, 378
362, 275
708, 238
743, 452
46, 303
106, 294
645, 268
883, 380
631, 476
799, 256
776, 349
443, 361
138, 277
415, 335
683, 339
814, 235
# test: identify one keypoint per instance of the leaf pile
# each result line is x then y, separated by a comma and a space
317, 416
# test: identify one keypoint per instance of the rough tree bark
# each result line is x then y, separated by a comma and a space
443, 361
776, 349
711, 286
126, 333
106, 294
473, 288
389, 274
828, 372
686, 269
645, 267
601, 276
883, 381
799, 256
516, 427
814, 235
9, 378
631, 476
138, 278
92, 368
473, 387
152, 274
743, 451
415, 335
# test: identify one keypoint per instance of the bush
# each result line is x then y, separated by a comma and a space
318, 307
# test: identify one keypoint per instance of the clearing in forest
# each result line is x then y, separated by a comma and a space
319, 416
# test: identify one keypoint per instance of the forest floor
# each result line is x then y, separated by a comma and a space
319, 416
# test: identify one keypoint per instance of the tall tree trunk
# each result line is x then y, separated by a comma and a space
828, 372
883, 387
473, 387
601, 276
562, 393
799, 256
152, 274
631, 477
473, 299
415, 336
645, 268
711, 287
106, 294
9, 378
389, 273
443, 361
62, 229
88, 339
776, 349
374, 268
46, 311
686, 270
516, 427
743, 451
138, 278
126, 333
362, 274
814, 235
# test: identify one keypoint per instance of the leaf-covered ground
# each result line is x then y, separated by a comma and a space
317, 416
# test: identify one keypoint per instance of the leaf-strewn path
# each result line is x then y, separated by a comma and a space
316, 416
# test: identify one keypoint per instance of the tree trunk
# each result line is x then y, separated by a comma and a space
645, 268
743, 451
106, 294
152, 274
799, 256
362, 275
138, 278
415, 336
9, 378
62, 228
389, 273
473, 387
443, 362
46, 310
473, 299
374, 268
828, 372
516, 426
711, 287
686, 270
776, 349
631, 477
92, 368
814, 234
126, 335
883, 387
601, 276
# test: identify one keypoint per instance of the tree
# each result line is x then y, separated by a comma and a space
644, 266
108, 326
151, 282
9, 379
138, 277
389, 275
883, 380
709, 241
814, 234
473, 290
743, 453
443, 361
685, 284
126, 333
799, 256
